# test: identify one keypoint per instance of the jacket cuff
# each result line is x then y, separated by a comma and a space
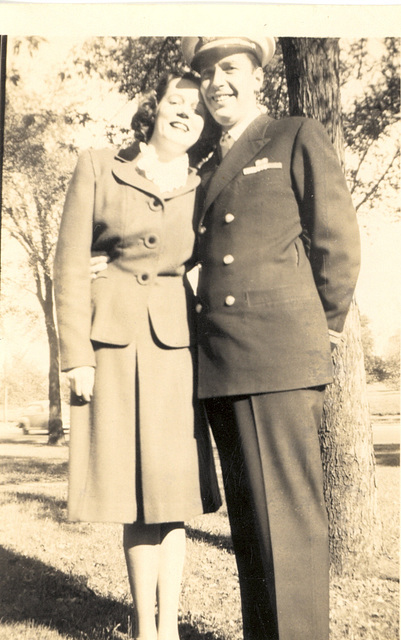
335, 336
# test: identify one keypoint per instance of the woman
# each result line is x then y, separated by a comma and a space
139, 448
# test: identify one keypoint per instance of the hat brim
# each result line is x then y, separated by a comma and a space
210, 52
210, 56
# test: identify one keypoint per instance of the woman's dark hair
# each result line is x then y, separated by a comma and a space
143, 121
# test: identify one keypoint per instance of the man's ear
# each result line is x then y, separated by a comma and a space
258, 75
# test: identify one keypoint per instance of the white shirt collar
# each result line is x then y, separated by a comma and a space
238, 129
166, 175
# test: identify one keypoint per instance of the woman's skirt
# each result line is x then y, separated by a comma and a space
141, 449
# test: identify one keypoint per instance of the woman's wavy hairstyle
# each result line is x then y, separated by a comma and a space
143, 121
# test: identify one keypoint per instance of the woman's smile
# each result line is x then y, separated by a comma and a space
177, 124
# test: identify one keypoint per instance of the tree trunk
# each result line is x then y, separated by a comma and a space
348, 458
56, 432
3, 56
312, 70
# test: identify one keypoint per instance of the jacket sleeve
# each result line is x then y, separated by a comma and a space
72, 283
329, 221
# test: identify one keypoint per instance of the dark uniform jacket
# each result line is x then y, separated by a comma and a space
279, 254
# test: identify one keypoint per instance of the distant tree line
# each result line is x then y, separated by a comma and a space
384, 368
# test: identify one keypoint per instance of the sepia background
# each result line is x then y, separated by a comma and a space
69, 87
69, 95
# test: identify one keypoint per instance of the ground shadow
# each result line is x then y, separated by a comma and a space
187, 632
56, 509
38, 440
52, 507
387, 455
16, 470
32, 591
215, 540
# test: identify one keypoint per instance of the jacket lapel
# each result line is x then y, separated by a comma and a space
123, 168
247, 147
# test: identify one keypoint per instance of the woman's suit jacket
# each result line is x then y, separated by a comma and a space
278, 244
110, 208
139, 449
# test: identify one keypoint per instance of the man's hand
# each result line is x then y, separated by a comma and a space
98, 264
335, 339
81, 381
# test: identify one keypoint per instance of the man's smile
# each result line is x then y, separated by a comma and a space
220, 98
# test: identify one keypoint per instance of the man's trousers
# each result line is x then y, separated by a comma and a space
270, 458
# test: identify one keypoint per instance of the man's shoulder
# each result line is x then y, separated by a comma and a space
294, 130
289, 123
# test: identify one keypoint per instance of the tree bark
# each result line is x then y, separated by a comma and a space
312, 71
56, 432
348, 458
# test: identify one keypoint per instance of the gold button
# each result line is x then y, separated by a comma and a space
202, 229
151, 241
143, 278
228, 259
198, 308
229, 301
229, 217
155, 204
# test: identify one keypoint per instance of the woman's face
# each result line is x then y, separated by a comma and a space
180, 115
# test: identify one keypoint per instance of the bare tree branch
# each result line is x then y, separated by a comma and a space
376, 185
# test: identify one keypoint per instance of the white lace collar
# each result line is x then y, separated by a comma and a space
166, 175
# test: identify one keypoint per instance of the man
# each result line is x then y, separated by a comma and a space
279, 259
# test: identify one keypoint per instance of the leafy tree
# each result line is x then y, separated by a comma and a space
134, 64
368, 123
367, 345
384, 368
366, 336
24, 378
392, 360
371, 120
37, 166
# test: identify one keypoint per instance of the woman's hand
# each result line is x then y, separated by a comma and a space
81, 381
97, 264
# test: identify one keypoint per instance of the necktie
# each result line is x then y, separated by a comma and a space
226, 142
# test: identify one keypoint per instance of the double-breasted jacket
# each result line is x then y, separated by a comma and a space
278, 248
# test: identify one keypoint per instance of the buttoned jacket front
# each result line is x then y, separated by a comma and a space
278, 246
110, 208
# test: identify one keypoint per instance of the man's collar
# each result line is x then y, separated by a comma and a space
238, 129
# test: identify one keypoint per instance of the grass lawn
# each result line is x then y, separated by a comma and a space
383, 400
67, 580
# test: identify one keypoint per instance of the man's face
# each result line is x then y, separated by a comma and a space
229, 87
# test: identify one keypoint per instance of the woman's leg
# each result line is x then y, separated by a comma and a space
142, 554
155, 560
172, 555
